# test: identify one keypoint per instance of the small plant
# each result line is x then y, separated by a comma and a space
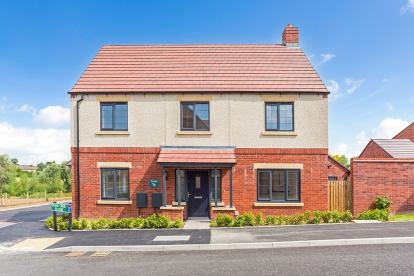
382, 203
346, 216
258, 220
224, 220
376, 214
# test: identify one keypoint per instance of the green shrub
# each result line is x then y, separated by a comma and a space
376, 214
247, 219
224, 220
382, 203
176, 224
270, 220
346, 216
156, 221
258, 220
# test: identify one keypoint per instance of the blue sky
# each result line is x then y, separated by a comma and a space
363, 51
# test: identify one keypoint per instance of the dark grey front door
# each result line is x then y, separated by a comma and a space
198, 201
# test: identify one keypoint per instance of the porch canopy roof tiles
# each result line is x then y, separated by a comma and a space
253, 68
197, 156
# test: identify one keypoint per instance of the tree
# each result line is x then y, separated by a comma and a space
15, 161
50, 176
342, 159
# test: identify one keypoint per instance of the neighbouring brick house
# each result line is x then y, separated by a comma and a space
211, 128
385, 167
337, 171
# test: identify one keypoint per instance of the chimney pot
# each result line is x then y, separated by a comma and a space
290, 36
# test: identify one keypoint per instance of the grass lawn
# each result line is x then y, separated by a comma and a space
402, 217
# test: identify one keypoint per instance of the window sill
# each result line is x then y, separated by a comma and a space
169, 207
219, 204
194, 132
227, 208
278, 204
109, 132
279, 133
113, 202
175, 203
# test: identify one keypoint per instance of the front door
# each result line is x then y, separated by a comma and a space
198, 193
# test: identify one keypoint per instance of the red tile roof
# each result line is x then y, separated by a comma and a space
202, 155
199, 68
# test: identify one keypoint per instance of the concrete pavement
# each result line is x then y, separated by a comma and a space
24, 228
344, 260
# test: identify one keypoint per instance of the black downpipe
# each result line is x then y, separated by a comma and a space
77, 159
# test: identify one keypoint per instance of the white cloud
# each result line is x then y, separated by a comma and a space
26, 109
32, 146
353, 85
326, 57
390, 106
333, 87
53, 115
385, 80
387, 128
408, 7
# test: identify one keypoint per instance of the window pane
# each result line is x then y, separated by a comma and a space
180, 174
201, 112
212, 186
121, 116
264, 185
106, 116
271, 116
187, 116
293, 185
108, 180
286, 116
278, 185
122, 183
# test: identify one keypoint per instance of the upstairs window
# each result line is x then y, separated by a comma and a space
195, 116
279, 117
114, 116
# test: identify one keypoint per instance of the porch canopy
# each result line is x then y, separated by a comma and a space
197, 157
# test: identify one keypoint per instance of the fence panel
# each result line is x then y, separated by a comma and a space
339, 196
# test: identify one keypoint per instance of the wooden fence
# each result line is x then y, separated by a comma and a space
339, 196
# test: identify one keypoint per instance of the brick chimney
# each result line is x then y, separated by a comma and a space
290, 36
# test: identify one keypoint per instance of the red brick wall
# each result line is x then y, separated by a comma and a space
372, 150
145, 167
334, 169
374, 177
407, 133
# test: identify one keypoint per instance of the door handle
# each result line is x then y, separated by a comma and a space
188, 194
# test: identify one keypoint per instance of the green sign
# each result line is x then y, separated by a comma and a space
153, 183
61, 207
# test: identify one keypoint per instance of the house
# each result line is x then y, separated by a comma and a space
28, 168
199, 130
407, 133
337, 171
385, 167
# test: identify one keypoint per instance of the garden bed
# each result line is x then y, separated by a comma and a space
152, 222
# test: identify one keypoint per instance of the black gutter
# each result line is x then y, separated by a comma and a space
77, 160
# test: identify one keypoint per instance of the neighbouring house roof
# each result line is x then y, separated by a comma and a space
197, 155
199, 68
27, 167
406, 133
396, 148
337, 164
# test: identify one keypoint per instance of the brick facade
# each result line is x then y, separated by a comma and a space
145, 167
375, 177
337, 170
